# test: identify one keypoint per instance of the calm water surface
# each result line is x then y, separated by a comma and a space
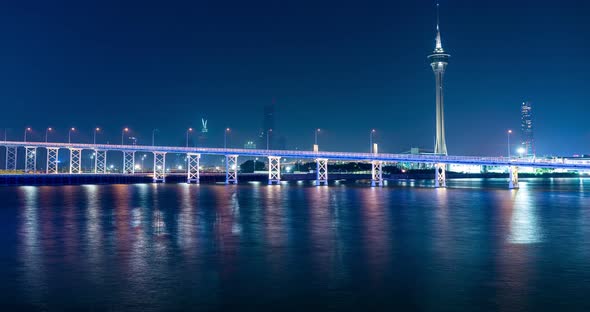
475, 246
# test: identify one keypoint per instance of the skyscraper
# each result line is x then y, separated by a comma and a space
526, 128
438, 61
268, 123
204, 133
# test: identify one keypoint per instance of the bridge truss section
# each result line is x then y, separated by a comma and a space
274, 170
75, 160
128, 162
440, 175
231, 169
159, 167
30, 159
513, 176
11, 153
100, 161
52, 160
376, 173
321, 171
193, 174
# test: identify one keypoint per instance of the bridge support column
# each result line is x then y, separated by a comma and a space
377, 173
30, 159
11, 157
128, 162
513, 175
274, 170
321, 171
75, 160
159, 167
193, 172
52, 153
100, 161
231, 169
440, 175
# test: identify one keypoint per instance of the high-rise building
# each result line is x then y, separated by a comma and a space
204, 133
268, 124
526, 128
438, 61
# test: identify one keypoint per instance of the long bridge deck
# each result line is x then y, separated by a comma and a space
274, 160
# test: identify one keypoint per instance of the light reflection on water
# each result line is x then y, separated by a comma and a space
147, 246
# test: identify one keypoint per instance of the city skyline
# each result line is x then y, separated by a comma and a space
55, 79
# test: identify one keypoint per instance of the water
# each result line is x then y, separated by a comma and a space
473, 247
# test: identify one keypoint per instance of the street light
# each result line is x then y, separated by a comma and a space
154, 136
123, 135
509, 133
46, 132
187, 132
521, 151
225, 137
316, 136
142, 159
27, 130
95, 131
267, 139
70, 134
371, 140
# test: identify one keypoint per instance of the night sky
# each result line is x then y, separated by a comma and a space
342, 66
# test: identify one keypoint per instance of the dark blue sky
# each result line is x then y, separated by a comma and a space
343, 66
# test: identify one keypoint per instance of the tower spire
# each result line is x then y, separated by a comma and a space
438, 48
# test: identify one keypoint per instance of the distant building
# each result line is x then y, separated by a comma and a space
204, 134
526, 128
250, 145
268, 123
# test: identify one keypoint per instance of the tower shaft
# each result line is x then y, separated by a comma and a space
441, 144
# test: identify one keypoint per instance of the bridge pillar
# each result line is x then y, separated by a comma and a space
274, 170
11, 157
30, 159
75, 160
377, 173
193, 172
52, 153
440, 175
100, 161
128, 162
513, 175
321, 171
231, 169
159, 167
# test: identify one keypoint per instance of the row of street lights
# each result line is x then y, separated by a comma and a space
189, 130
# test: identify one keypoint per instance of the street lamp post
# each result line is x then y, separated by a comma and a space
46, 132
227, 130
268, 139
508, 134
316, 136
142, 159
187, 132
95, 131
371, 140
123, 135
27, 130
70, 134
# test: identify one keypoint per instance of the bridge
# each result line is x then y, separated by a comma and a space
231, 155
